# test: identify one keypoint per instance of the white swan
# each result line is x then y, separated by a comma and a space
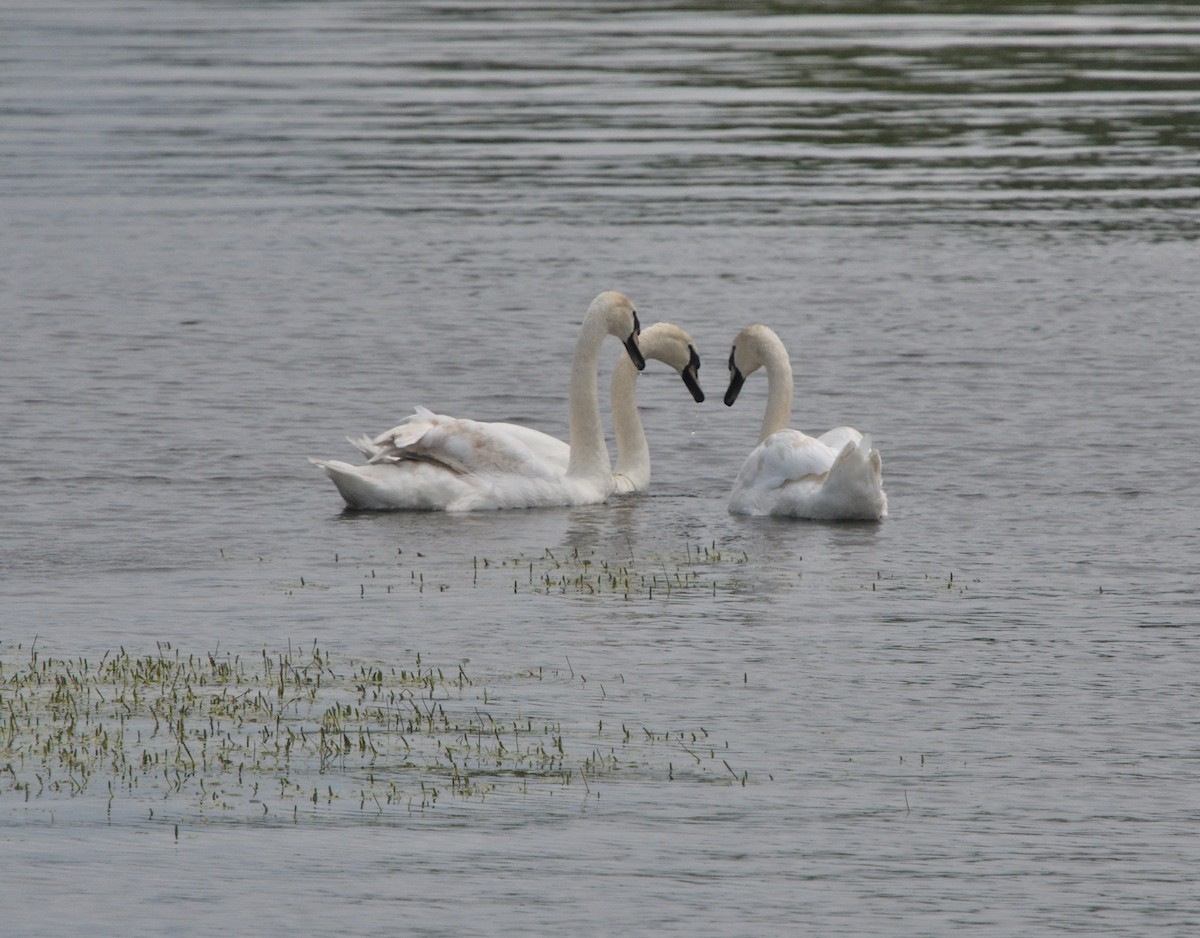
835, 477
663, 341
667, 343
435, 462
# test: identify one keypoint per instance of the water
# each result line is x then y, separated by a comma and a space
235, 233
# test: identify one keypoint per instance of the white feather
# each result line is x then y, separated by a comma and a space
837, 476
434, 461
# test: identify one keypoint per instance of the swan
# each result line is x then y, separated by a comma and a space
837, 476
662, 341
435, 462
667, 343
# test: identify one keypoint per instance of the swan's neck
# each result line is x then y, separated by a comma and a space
633, 453
589, 454
779, 389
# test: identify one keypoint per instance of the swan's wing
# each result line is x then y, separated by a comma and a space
399, 442
786, 456
472, 447
404, 434
544, 446
785, 462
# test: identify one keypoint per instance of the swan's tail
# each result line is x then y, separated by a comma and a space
410, 484
334, 468
392, 444
358, 487
365, 445
856, 480
355, 483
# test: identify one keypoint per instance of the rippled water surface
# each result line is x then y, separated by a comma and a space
235, 233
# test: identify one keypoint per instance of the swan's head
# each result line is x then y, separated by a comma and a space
747, 356
668, 343
621, 320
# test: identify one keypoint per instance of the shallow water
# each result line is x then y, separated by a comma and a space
235, 234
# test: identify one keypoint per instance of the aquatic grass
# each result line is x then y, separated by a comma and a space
693, 571
295, 734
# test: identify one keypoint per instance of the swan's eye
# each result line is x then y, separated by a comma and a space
693, 359
732, 352
637, 326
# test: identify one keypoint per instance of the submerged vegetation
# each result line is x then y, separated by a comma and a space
697, 571
295, 735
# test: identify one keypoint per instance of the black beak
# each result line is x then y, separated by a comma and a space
691, 377
635, 353
736, 380
631, 345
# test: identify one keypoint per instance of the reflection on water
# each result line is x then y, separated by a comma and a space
236, 233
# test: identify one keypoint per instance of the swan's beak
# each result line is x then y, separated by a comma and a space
736, 380
635, 353
691, 377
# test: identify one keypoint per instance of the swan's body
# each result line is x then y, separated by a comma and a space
435, 462
663, 341
837, 476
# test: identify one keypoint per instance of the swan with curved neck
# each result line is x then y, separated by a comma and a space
435, 462
662, 341
837, 476
667, 343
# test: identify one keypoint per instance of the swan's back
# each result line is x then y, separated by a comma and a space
791, 474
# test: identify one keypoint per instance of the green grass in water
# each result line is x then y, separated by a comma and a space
295, 734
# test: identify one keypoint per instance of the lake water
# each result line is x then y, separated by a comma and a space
236, 233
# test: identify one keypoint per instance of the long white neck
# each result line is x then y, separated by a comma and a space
589, 454
779, 385
633, 452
